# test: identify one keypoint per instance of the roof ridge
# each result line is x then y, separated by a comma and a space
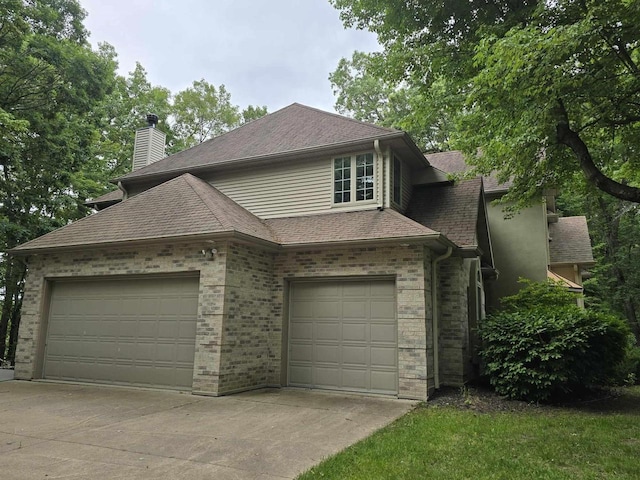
344, 117
189, 178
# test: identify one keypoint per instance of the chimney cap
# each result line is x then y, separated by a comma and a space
152, 119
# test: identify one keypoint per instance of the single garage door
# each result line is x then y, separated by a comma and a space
343, 336
123, 331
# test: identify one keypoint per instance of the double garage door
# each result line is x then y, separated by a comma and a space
343, 336
123, 331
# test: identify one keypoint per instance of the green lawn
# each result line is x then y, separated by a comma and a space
597, 440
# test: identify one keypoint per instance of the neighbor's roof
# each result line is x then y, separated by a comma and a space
449, 209
180, 207
346, 227
296, 128
188, 206
454, 162
569, 241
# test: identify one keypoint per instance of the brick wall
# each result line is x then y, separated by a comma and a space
151, 259
250, 329
453, 274
405, 264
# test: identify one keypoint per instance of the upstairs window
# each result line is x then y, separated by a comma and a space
342, 180
397, 181
353, 178
364, 177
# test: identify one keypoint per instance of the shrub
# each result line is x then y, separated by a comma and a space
537, 349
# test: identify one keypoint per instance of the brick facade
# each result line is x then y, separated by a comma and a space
242, 314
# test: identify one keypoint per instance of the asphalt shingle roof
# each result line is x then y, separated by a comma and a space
454, 162
346, 226
180, 207
187, 205
569, 241
450, 209
293, 128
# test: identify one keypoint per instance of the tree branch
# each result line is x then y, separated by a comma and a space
592, 173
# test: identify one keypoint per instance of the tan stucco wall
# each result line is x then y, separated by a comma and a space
520, 249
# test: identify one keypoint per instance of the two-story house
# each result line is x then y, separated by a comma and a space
301, 249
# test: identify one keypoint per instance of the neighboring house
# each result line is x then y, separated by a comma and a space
302, 249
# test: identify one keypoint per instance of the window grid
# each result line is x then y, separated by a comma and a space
364, 176
342, 180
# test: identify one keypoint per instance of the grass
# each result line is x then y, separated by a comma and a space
598, 440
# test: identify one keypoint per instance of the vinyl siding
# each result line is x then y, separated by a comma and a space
407, 186
279, 191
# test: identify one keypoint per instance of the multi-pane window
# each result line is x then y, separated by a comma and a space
342, 180
397, 181
353, 178
364, 176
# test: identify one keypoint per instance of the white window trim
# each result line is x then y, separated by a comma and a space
353, 202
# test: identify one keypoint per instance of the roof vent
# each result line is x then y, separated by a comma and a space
149, 144
152, 120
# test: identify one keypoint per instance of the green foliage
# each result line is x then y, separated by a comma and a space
538, 354
540, 90
542, 346
534, 294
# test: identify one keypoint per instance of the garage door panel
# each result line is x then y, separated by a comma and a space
326, 353
300, 375
124, 331
355, 379
327, 377
383, 333
383, 381
327, 331
325, 309
355, 355
353, 309
381, 310
302, 352
301, 331
384, 356
354, 336
354, 332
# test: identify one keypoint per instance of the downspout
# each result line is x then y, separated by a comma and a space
434, 313
124, 191
376, 147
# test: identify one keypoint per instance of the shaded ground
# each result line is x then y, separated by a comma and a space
485, 400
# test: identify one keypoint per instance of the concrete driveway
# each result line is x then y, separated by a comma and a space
50, 430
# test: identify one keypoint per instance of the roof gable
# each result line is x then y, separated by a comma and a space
180, 207
450, 209
296, 128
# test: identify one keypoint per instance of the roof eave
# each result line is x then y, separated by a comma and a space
227, 235
436, 241
248, 161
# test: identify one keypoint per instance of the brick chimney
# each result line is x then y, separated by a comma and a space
149, 144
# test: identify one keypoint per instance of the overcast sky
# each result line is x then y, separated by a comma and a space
266, 52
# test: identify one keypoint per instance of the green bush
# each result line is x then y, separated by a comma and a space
543, 345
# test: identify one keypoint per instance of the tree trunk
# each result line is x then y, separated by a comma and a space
7, 306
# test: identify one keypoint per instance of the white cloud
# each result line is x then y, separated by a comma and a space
266, 52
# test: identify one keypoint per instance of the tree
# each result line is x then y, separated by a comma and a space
252, 113
365, 92
50, 80
549, 88
201, 112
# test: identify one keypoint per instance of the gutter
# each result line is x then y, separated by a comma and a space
380, 161
434, 314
